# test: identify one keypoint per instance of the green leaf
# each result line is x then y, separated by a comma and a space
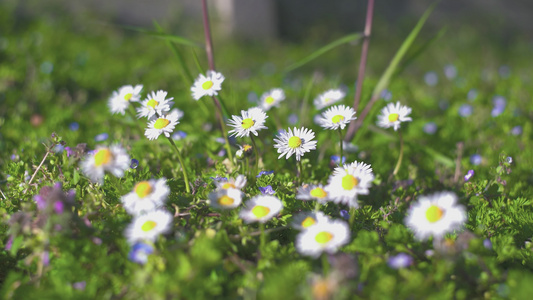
185, 72
328, 47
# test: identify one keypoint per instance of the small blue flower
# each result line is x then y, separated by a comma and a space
469, 175
517, 130
264, 173
386, 95
179, 135
509, 160
472, 95
431, 78
101, 137
450, 71
267, 190
499, 106
465, 110
79, 285
400, 261
134, 163
293, 119
139, 253
335, 160
475, 159
74, 126
219, 179
487, 244
430, 128
344, 214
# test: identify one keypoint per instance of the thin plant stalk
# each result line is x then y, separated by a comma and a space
399, 163
211, 60
185, 178
262, 238
223, 128
325, 264
341, 140
362, 66
256, 155
352, 216
317, 206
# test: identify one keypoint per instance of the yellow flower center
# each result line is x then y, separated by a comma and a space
128, 96
318, 192
247, 123
337, 119
148, 226
323, 237
327, 100
142, 189
207, 85
295, 142
393, 117
102, 157
269, 100
260, 211
349, 182
228, 185
308, 222
225, 200
246, 148
161, 123
434, 213
152, 103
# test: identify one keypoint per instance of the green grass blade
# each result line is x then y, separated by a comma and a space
328, 47
185, 72
395, 62
417, 52
169, 37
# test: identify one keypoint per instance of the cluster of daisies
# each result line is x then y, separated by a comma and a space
433, 215
157, 108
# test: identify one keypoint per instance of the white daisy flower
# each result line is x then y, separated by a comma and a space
295, 142
305, 220
207, 85
231, 183
149, 226
324, 236
120, 100
113, 159
261, 209
393, 115
349, 181
162, 125
225, 198
435, 215
271, 98
250, 122
312, 192
328, 98
337, 117
146, 196
155, 105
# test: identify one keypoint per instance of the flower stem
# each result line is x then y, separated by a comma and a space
399, 163
223, 128
352, 216
317, 206
262, 238
208, 41
185, 178
256, 155
341, 140
325, 264
362, 66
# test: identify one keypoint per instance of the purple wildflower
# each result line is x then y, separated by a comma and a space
469, 175
139, 253
400, 261
267, 190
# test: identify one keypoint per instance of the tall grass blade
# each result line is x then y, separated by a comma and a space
328, 47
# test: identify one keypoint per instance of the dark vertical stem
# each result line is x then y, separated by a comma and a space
362, 66
207, 33
399, 163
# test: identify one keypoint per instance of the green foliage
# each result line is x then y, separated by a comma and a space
53, 74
